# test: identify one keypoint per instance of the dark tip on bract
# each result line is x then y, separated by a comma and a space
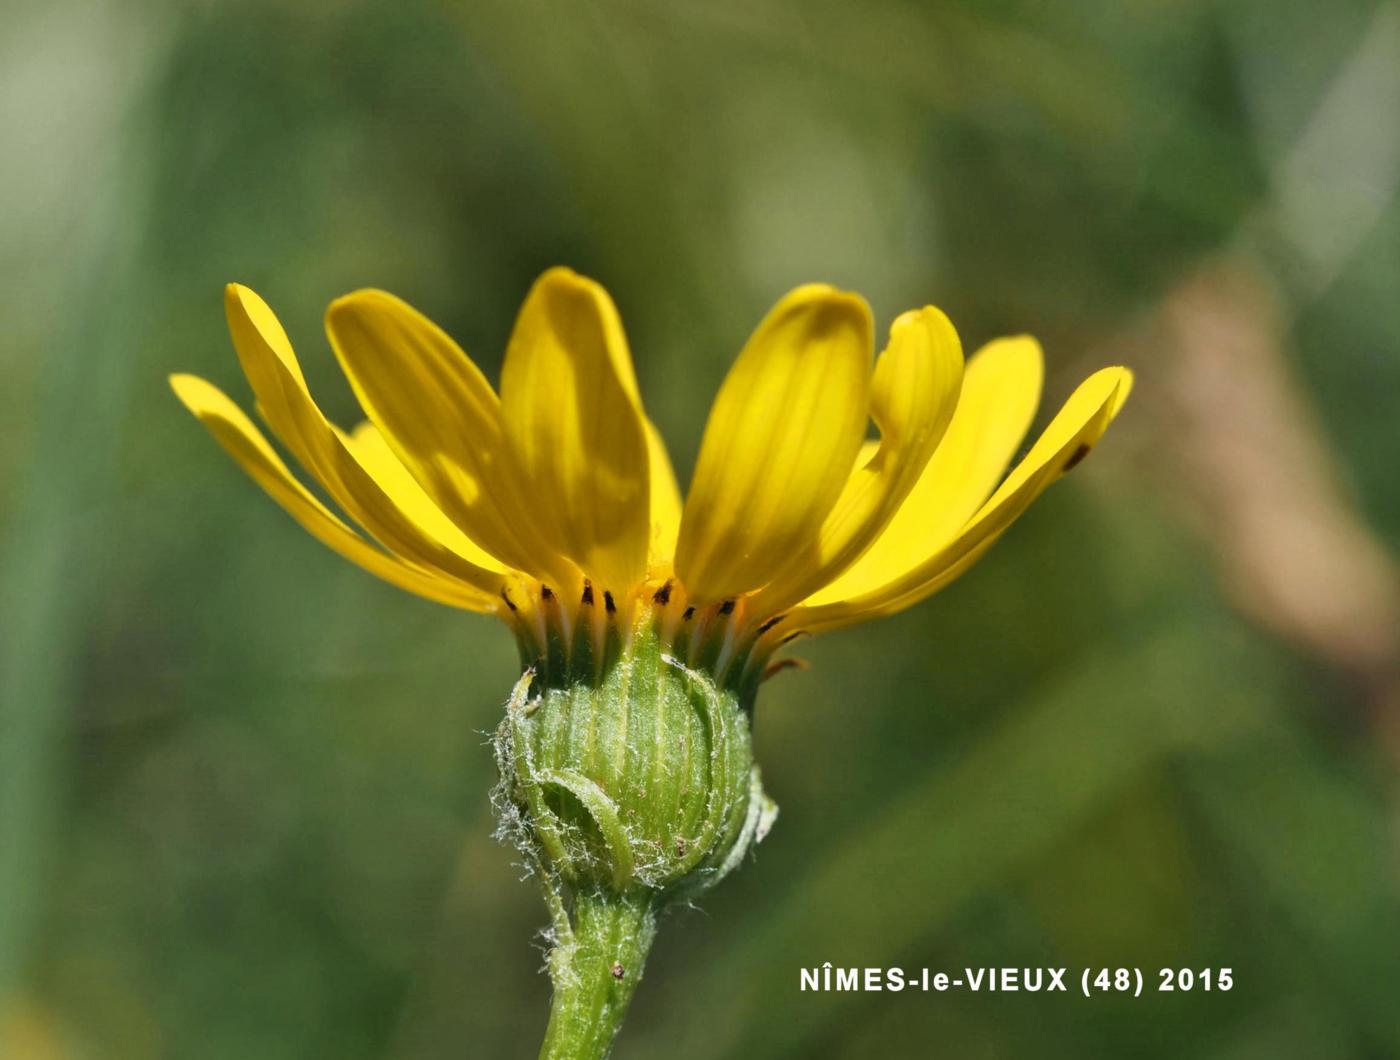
587, 592
727, 608
777, 666
608, 602
663, 595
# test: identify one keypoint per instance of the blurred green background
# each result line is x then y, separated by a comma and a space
243, 785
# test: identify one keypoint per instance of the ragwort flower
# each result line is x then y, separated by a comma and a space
646, 625
554, 503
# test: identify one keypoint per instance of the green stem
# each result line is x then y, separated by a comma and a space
596, 972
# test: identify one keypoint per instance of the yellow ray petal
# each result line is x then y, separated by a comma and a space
1000, 392
665, 505
245, 443
441, 418
272, 370
574, 421
912, 397
780, 442
369, 447
1069, 437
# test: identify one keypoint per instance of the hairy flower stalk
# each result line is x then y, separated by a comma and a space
645, 626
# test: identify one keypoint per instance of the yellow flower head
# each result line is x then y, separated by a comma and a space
553, 504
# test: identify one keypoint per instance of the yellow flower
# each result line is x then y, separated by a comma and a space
554, 506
